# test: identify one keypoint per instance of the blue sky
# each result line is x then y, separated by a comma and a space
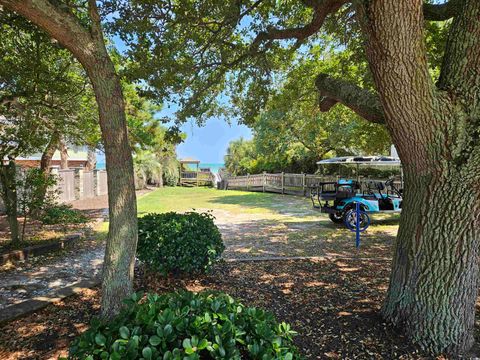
209, 143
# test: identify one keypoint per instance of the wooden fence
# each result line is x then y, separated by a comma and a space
285, 183
196, 178
66, 185
76, 184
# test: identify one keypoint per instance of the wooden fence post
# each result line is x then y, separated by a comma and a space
283, 182
180, 177
248, 182
304, 183
264, 181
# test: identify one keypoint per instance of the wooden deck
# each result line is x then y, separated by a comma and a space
196, 178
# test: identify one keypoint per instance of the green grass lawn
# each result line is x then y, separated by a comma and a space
265, 224
184, 199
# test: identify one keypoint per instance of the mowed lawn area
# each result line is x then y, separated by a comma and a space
331, 299
271, 225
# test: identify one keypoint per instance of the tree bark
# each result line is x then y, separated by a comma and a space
434, 282
46, 160
88, 46
47, 155
9, 196
160, 176
91, 159
63, 155
119, 262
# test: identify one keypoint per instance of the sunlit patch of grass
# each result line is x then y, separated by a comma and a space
100, 231
184, 199
264, 224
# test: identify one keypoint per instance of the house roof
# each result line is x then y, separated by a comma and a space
72, 155
189, 160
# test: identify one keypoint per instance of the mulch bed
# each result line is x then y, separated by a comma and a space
333, 305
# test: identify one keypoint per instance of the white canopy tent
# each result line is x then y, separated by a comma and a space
365, 161
362, 160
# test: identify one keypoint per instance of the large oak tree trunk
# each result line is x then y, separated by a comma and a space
88, 46
434, 281
122, 235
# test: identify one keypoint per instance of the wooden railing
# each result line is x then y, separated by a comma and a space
200, 178
285, 183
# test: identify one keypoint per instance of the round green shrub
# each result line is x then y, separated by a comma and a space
62, 214
185, 325
173, 242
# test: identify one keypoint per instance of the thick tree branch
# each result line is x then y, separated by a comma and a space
96, 27
461, 61
361, 101
60, 25
321, 9
441, 12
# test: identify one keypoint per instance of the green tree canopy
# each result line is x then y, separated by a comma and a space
217, 58
42, 88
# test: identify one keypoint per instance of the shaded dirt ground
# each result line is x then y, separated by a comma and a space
332, 302
42, 275
36, 233
333, 305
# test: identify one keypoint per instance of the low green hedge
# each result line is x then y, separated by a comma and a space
185, 325
62, 214
172, 242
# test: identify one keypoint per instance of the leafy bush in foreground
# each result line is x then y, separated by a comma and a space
174, 242
62, 214
185, 325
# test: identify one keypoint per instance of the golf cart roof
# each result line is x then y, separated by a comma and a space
362, 160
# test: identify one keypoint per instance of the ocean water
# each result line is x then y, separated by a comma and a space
214, 167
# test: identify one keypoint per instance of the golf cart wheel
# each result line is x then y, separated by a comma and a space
337, 217
350, 219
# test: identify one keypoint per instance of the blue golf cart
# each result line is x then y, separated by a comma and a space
338, 198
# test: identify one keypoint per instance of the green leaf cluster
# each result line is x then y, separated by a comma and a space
33, 191
62, 214
43, 90
184, 325
202, 55
179, 243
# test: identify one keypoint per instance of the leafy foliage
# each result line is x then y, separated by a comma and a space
62, 214
171, 173
155, 163
291, 133
222, 59
30, 186
43, 85
185, 325
148, 169
174, 242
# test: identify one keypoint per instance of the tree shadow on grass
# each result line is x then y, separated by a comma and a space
274, 202
270, 238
